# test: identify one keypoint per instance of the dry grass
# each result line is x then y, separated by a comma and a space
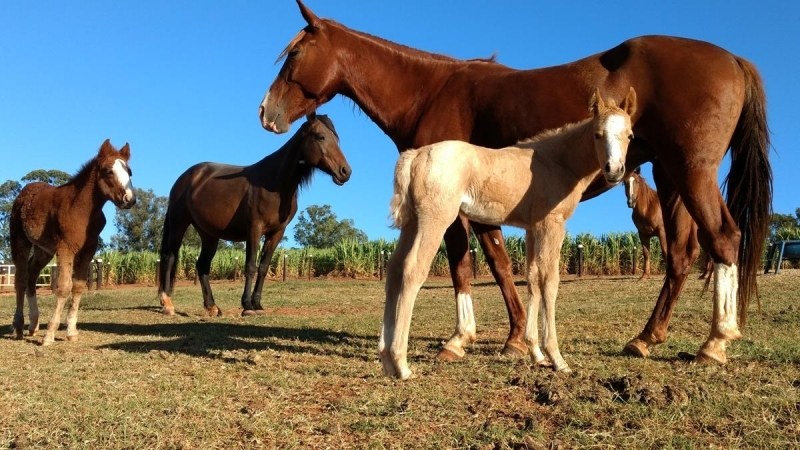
306, 375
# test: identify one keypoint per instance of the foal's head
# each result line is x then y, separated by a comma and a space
319, 147
613, 132
308, 78
633, 187
114, 175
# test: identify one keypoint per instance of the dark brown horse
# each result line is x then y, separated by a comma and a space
646, 215
65, 221
238, 203
696, 101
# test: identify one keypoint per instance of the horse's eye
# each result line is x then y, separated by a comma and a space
598, 135
319, 137
630, 137
294, 52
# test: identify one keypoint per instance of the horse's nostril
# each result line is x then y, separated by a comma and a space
260, 111
344, 171
608, 168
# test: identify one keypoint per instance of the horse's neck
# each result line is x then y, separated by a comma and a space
646, 199
387, 80
282, 168
570, 149
82, 191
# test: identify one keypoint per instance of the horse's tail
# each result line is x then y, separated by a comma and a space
400, 209
749, 183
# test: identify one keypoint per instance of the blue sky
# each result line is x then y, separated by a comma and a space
181, 81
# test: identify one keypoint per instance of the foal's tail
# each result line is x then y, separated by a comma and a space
749, 183
400, 209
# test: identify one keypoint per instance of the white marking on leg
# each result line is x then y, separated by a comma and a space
726, 287
465, 332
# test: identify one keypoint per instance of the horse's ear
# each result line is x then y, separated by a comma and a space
629, 104
638, 170
106, 147
311, 18
311, 116
596, 102
125, 151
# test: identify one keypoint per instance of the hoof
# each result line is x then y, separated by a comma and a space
249, 313
448, 355
708, 359
168, 311
214, 311
644, 278
636, 348
18, 336
72, 338
514, 350
46, 342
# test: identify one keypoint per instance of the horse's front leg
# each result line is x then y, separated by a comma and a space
456, 239
491, 240
534, 301
645, 241
63, 288
79, 279
271, 242
549, 240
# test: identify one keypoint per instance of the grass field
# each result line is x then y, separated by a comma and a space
307, 376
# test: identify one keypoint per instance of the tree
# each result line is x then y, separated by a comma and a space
139, 228
10, 190
317, 227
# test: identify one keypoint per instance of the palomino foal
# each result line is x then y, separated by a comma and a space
534, 185
65, 221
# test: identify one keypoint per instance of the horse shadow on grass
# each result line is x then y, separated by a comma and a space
211, 339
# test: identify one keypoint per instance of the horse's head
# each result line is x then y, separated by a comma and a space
114, 178
320, 148
308, 78
613, 132
632, 187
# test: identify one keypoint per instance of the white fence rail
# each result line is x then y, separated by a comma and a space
7, 272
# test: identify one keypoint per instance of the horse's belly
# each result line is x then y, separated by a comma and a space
484, 211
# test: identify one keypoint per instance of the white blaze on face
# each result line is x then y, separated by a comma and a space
121, 172
629, 190
614, 128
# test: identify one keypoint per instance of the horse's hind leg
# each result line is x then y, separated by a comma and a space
406, 271
63, 288
682, 250
39, 259
491, 240
203, 267
20, 257
271, 242
171, 239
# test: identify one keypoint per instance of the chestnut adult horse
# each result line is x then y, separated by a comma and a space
64, 221
696, 101
646, 216
239, 203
